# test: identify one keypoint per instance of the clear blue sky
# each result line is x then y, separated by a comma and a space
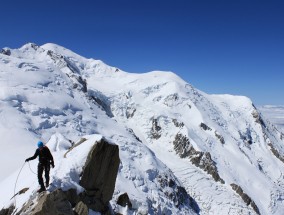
229, 46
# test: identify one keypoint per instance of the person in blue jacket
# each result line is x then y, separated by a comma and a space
45, 159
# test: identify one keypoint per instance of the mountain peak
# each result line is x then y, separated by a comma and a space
62, 51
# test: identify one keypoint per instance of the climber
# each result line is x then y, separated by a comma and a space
45, 160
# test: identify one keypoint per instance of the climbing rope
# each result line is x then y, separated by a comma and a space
16, 184
31, 169
18, 178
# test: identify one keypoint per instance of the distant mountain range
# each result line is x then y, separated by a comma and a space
182, 151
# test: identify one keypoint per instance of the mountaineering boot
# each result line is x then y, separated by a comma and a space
41, 189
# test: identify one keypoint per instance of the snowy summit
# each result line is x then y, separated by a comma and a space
181, 151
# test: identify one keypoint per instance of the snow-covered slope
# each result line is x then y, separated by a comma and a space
218, 147
44, 96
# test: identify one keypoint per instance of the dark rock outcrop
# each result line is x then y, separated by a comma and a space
83, 83
74, 74
155, 130
123, 200
99, 175
5, 51
34, 46
220, 137
133, 134
276, 153
53, 203
177, 123
78, 82
48, 204
205, 127
203, 160
183, 147
72, 196
172, 99
7, 211
176, 193
101, 100
245, 197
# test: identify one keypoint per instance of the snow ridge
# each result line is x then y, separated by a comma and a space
182, 151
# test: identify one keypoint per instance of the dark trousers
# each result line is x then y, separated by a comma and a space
40, 168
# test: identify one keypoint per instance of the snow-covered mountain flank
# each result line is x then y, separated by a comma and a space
181, 150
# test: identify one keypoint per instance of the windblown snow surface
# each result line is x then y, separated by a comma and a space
164, 127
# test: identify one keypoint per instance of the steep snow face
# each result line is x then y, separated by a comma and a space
227, 156
242, 148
